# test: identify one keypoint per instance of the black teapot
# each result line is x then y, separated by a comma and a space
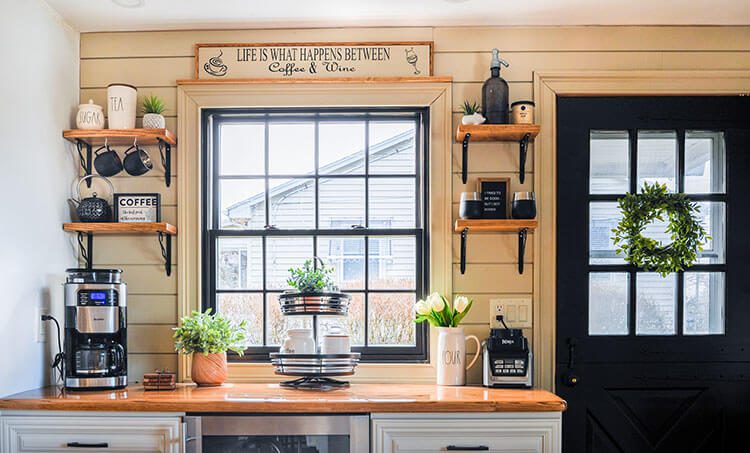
93, 209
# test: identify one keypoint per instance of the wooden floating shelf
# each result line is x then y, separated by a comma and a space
120, 136
120, 227
494, 225
497, 132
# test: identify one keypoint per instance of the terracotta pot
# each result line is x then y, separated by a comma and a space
209, 370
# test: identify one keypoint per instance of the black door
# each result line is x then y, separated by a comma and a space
646, 363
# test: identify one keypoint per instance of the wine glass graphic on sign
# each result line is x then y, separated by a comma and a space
412, 58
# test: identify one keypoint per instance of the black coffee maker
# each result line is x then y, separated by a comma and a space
95, 329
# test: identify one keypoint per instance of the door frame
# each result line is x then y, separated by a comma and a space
548, 85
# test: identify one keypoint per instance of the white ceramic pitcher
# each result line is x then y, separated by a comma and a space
451, 355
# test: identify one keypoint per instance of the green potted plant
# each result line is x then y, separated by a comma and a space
208, 337
471, 114
153, 107
313, 291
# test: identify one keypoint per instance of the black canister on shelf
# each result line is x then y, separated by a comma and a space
524, 205
495, 93
471, 206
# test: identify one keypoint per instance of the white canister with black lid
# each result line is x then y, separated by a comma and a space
122, 101
522, 112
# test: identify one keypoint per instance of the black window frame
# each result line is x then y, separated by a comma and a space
633, 271
212, 118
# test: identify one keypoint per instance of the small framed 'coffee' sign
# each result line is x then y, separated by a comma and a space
495, 195
137, 207
313, 60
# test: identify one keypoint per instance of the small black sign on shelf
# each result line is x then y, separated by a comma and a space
137, 207
495, 195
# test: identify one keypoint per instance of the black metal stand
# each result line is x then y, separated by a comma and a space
166, 251
87, 250
165, 149
523, 147
464, 234
85, 161
315, 383
522, 233
465, 158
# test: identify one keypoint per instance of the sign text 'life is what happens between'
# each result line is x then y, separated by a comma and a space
313, 60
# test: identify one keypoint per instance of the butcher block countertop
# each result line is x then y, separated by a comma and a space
262, 398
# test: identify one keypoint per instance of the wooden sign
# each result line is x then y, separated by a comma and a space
496, 197
313, 60
137, 207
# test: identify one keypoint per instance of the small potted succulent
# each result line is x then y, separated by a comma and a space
208, 337
471, 114
153, 107
314, 291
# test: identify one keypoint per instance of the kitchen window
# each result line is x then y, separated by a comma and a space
346, 185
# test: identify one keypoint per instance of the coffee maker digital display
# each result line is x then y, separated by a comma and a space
95, 329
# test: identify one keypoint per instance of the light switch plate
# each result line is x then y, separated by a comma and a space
516, 312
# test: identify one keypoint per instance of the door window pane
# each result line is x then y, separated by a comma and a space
391, 319
609, 171
657, 158
392, 147
242, 204
292, 203
608, 303
603, 217
291, 148
242, 148
713, 217
704, 303
656, 304
341, 148
705, 158
239, 263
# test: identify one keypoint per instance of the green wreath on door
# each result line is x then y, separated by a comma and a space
684, 227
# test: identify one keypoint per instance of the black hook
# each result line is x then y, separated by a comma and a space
464, 234
523, 147
522, 234
465, 158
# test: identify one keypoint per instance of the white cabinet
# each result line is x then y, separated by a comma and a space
517, 432
108, 432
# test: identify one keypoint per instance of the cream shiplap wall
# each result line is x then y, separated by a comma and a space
154, 61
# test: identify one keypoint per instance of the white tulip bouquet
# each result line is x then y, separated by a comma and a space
439, 312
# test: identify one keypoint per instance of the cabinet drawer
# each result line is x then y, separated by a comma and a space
493, 433
46, 433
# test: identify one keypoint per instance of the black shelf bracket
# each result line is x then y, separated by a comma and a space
85, 161
464, 235
522, 234
165, 242
165, 149
87, 251
523, 147
465, 158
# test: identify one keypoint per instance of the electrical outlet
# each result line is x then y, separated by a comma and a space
516, 312
41, 326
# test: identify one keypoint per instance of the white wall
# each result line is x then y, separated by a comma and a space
38, 98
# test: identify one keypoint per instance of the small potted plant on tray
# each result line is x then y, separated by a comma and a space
208, 337
153, 107
314, 291
471, 114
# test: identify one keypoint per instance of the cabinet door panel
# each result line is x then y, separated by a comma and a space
30, 433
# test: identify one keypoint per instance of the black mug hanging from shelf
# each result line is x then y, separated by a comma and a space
107, 163
93, 209
137, 161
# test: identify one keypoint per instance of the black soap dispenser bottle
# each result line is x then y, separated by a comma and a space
495, 93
